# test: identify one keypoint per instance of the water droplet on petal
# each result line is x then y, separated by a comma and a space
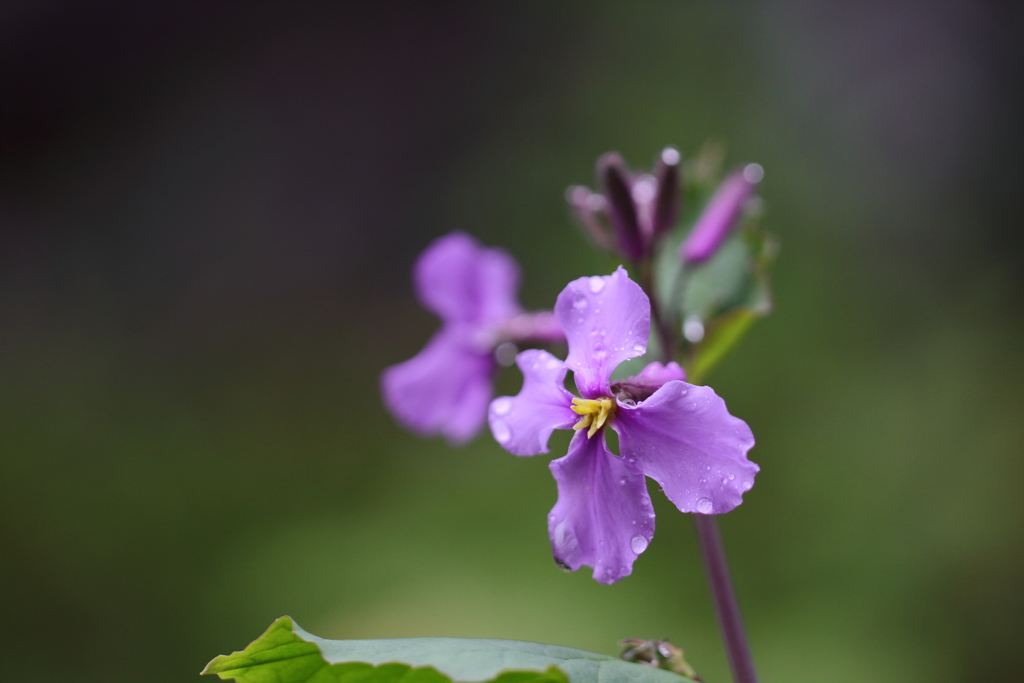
639, 348
502, 405
600, 351
638, 544
596, 284
579, 300
501, 431
705, 506
731, 477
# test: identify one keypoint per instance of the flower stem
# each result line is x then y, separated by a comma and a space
737, 649
733, 635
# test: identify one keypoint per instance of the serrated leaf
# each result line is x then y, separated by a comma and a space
287, 654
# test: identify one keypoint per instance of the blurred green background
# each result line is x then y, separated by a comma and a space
208, 215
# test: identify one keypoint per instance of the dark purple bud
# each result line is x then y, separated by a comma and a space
614, 178
721, 214
588, 206
666, 207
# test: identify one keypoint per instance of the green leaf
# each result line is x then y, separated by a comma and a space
287, 654
721, 283
719, 339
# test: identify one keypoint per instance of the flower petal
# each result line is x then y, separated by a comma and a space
684, 438
606, 320
523, 424
444, 389
603, 517
657, 374
462, 281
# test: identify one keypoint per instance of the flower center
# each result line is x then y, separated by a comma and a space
593, 412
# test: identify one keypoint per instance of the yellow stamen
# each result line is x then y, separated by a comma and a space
594, 411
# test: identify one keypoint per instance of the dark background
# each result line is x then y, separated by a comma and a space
208, 214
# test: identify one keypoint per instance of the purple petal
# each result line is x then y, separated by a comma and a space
720, 215
684, 438
444, 389
464, 282
603, 517
606, 320
658, 374
523, 424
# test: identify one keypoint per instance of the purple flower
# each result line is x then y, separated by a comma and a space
445, 388
639, 208
676, 433
721, 214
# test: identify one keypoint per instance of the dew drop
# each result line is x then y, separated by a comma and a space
731, 477
639, 348
502, 405
600, 351
596, 284
693, 329
753, 173
579, 301
501, 431
564, 566
704, 506
638, 544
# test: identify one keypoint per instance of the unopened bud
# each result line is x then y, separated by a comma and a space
666, 207
721, 214
587, 207
614, 177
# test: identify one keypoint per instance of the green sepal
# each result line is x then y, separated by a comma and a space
287, 654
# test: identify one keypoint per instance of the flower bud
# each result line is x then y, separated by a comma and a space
721, 214
666, 207
588, 206
614, 178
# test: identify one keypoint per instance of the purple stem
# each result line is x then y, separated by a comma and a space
737, 649
735, 638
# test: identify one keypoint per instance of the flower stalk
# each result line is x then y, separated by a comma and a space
712, 550
734, 636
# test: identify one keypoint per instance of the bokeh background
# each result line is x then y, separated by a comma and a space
208, 215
